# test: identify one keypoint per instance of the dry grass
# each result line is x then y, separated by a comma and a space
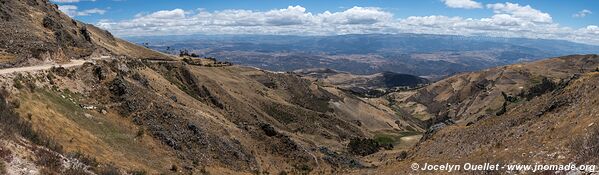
108, 138
5, 57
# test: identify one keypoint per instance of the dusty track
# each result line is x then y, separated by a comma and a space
73, 63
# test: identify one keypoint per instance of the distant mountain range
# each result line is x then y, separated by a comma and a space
432, 56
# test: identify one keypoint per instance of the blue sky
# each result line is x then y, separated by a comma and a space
525, 18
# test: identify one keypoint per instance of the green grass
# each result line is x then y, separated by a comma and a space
384, 139
535, 79
422, 117
489, 111
393, 138
65, 104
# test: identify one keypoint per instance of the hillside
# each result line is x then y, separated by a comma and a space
546, 115
35, 31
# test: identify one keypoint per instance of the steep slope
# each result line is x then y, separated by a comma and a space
553, 121
36, 31
467, 97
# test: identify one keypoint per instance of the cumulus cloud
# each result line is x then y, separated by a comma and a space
508, 20
521, 12
465, 4
290, 20
73, 11
582, 13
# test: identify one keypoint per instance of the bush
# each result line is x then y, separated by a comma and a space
109, 170
385, 141
363, 146
17, 84
268, 130
303, 168
5, 154
402, 155
540, 88
75, 170
84, 159
51, 161
138, 172
140, 133
183, 53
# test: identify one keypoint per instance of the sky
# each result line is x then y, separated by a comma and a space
573, 20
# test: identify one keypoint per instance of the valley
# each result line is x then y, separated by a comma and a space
430, 56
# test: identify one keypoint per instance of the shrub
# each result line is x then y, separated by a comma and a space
268, 130
385, 141
84, 159
75, 170
303, 168
402, 155
138, 172
140, 133
109, 170
363, 146
540, 88
85, 33
174, 168
17, 83
51, 161
141, 79
5, 154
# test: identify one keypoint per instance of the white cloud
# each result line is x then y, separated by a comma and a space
73, 11
465, 4
582, 13
70, 10
173, 14
508, 20
291, 20
356, 15
521, 12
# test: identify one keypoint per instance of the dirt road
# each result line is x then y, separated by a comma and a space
73, 63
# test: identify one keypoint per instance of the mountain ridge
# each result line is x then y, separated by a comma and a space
35, 31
